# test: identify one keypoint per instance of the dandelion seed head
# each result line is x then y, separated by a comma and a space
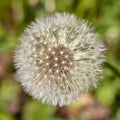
59, 58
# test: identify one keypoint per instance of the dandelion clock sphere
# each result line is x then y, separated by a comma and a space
59, 58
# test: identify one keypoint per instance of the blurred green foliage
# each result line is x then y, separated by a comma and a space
15, 15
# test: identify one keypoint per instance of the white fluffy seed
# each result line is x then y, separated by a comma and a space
77, 39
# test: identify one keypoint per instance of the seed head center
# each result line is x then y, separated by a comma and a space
59, 60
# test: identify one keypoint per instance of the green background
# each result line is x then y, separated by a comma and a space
103, 103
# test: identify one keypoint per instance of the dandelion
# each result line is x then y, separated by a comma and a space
59, 58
